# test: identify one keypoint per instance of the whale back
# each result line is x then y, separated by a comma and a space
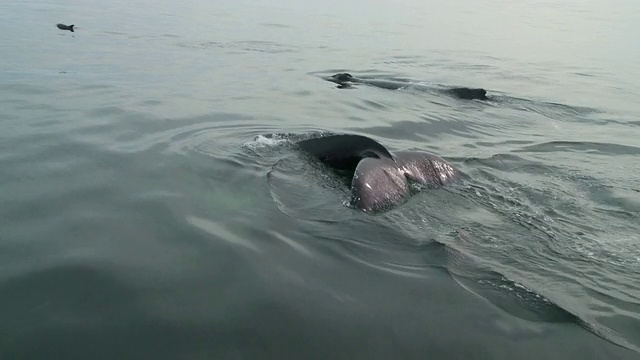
425, 168
379, 179
465, 93
344, 152
346, 80
378, 184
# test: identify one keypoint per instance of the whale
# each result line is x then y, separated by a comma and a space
346, 80
379, 179
65, 27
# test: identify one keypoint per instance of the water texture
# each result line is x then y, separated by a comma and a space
154, 204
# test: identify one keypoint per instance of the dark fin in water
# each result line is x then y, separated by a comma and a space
344, 151
468, 93
65, 27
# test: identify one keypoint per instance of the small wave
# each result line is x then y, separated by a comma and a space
543, 220
267, 47
304, 190
515, 297
276, 25
588, 147
219, 231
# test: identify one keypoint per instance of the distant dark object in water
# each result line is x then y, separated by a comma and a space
345, 80
468, 93
379, 179
65, 27
341, 78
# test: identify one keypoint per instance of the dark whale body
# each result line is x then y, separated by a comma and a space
379, 179
344, 152
345, 80
66, 27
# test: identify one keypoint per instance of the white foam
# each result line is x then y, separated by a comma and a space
267, 141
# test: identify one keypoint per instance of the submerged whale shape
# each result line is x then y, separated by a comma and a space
65, 27
345, 80
379, 179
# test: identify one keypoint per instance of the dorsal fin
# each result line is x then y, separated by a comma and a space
344, 151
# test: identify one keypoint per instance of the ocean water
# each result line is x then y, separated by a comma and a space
154, 205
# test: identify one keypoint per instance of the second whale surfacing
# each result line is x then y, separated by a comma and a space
345, 80
379, 179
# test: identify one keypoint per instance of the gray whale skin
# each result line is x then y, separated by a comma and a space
379, 179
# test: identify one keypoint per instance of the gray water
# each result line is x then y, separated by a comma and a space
154, 204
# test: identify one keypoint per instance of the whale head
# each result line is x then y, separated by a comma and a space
342, 79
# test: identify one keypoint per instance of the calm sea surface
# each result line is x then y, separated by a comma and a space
153, 206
